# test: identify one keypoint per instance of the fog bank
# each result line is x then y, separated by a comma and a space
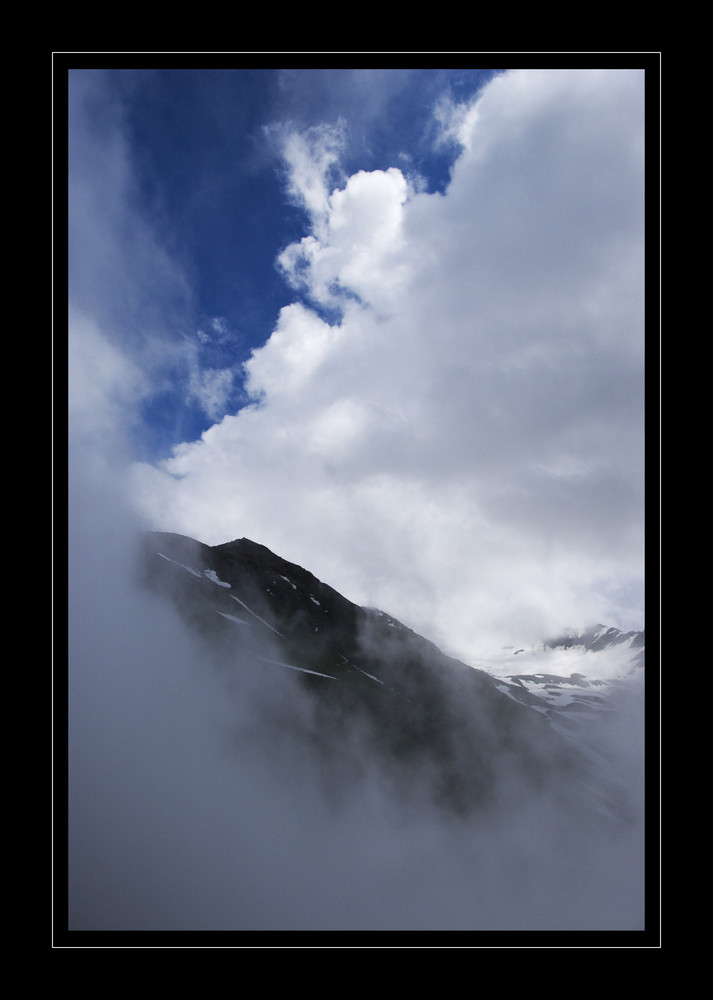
193, 808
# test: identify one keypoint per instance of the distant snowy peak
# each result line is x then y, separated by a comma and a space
568, 679
597, 638
597, 651
575, 676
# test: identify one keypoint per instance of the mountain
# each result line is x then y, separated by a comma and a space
371, 693
600, 637
574, 678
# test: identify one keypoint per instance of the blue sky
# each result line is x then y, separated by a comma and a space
388, 322
207, 171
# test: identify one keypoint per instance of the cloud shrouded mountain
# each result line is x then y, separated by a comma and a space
278, 758
459, 378
442, 419
441, 718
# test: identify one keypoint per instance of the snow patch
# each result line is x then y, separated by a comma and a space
266, 624
613, 662
290, 666
188, 569
233, 618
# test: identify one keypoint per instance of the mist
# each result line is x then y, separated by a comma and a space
197, 804
197, 800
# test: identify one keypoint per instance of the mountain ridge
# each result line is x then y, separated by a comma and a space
432, 718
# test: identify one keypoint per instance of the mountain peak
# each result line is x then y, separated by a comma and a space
597, 637
416, 706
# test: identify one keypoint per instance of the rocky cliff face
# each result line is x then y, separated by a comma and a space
430, 720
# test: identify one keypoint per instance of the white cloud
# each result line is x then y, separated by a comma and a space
105, 388
360, 250
465, 447
211, 389
312, 158
456, 120
462, 449
129, 298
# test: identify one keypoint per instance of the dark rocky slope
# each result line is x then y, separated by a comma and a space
377, 691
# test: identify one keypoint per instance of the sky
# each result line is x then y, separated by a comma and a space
388, 322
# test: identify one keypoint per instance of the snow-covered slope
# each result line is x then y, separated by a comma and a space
574, 677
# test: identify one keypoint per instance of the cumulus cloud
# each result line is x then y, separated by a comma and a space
358, 253
463, 445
